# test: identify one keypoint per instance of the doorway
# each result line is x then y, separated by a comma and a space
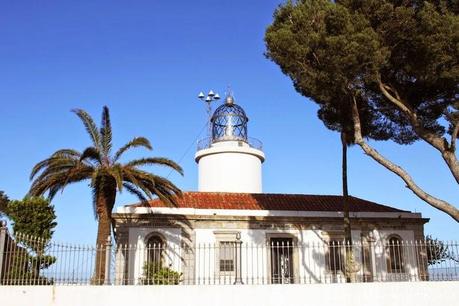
281, 250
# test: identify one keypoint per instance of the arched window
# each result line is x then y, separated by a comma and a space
155, 250
394, 254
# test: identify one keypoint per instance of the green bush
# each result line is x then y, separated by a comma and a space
155, 274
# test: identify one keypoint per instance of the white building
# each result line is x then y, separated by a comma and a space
230, 232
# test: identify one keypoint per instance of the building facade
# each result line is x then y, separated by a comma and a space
231, 232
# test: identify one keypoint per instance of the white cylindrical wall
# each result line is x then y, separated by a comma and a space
230, 168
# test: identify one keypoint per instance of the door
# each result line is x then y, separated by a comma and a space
281, 250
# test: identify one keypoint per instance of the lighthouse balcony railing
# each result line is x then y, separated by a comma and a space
207, 142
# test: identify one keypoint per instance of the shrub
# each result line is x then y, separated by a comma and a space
155, 274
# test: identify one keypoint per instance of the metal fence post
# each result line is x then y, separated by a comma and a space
108, 253
3, 230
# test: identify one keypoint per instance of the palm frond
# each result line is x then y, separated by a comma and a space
133, 189
57, 166
91, 153
162, 182
90, 126
95, 177
39, 167
138, 173
156, 161
166, 196
56, 181
117, 173
65, 153
102, 184
52, 192
130, 176
159, 186
138, 178
106, 132
135, 142
94, 203
80, 171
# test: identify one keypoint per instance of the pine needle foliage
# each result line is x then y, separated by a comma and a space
3, 203
378, 69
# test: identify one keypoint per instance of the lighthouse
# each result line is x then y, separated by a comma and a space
228, 160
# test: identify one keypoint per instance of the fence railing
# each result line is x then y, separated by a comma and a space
207, 142
32, 261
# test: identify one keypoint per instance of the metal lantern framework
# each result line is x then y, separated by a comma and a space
228, 160
229, 122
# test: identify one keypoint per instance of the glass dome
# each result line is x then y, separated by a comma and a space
229, 122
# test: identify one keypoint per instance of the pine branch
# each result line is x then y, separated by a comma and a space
399, 171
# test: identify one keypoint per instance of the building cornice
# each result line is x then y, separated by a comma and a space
260, 213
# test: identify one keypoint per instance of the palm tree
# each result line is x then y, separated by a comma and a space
107, 176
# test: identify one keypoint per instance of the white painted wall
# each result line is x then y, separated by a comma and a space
358, 294
409, 259
309, 260
137, 253
228, 167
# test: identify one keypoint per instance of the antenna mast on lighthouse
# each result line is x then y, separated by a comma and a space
211, 96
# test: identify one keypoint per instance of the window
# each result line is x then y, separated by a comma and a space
154, 260
155, 250
226, 253
334, 256
226, 257
394, 255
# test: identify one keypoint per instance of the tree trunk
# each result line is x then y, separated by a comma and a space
447, 150
347, 220
346, 217
104, 204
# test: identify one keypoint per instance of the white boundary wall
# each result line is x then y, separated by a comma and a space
361, 294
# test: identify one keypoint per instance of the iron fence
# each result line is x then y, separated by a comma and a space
28, 260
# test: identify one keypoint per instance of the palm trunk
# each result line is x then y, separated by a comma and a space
346, 217
104, 204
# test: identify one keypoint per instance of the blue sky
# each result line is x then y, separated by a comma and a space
147, 60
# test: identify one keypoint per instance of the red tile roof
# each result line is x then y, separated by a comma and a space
272, 201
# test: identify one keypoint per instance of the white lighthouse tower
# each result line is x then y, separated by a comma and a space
228, 160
